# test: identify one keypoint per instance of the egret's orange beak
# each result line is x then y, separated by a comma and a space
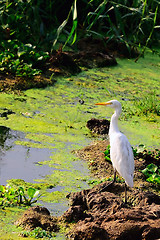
103, 103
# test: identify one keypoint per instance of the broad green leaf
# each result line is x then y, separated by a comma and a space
152, 168
146, 172
31, 192
155, 178
2, 188
107, 152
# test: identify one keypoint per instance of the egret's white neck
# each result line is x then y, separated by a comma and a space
114, 122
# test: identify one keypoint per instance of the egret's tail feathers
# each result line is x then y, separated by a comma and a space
129, 181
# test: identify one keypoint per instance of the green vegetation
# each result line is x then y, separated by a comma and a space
37, 233
152, 173
30, 31
141, 151
107, 153
110, 179
12, 197
53, 119
147, 104
21, 59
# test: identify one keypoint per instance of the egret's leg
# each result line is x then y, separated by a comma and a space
109, 184
125, 192
114, 179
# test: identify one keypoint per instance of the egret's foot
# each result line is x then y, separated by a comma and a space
105, 188
124, 205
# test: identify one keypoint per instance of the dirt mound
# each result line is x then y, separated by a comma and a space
95, 156
105, 216
110, 47
37, 217
10, 82
99, 126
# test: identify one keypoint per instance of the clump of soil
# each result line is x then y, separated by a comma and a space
110, 47
88, 55
37, 217
99, 126
105, 216
63, 63
91, 59
10, 82
95, 156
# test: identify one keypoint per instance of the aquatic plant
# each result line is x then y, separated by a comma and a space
142, 152
38, 233
20, 59
152, 173
107, 153
139, 149
10, 196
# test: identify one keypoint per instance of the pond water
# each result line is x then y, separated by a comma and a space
26, 163
19, 162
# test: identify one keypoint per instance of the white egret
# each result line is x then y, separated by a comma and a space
120, 149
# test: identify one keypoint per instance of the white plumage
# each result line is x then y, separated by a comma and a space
120, 149
122, 157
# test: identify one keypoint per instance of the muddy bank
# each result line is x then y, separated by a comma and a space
90, 53
99, 216
104, 215
10, 82
102, 168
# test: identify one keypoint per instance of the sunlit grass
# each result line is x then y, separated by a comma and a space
149, 103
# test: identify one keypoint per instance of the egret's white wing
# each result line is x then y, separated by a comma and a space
122, 156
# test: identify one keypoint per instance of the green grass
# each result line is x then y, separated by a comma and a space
149, 103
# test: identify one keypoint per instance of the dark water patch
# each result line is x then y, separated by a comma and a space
19, 162
57, 188
79, 165
7, 138
56, 209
